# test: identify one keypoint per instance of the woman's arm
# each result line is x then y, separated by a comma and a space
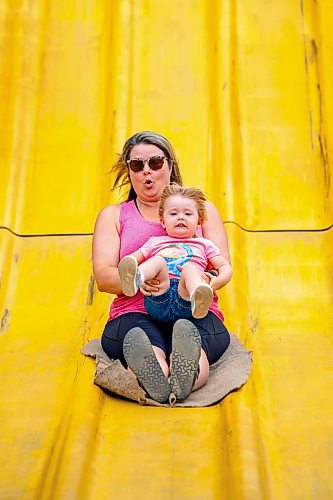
105, 250
213, 229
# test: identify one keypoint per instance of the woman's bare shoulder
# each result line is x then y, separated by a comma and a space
108, 217
109, 212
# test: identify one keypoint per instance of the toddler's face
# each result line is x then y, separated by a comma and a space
180, 217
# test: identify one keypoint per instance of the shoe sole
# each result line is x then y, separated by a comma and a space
201, 300
127, 271
186, 350
141, 359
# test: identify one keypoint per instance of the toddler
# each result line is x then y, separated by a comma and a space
183, 293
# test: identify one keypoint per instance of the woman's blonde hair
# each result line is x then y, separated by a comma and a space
120, 168
191, 193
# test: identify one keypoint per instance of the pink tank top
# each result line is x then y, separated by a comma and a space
134, 232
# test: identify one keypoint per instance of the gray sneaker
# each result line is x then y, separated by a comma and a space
141, 359
186, 350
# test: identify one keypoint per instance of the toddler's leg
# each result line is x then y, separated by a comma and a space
192, 287
157, 268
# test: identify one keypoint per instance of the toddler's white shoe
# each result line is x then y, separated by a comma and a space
130, 275
201, 298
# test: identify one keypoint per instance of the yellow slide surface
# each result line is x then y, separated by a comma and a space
243, 89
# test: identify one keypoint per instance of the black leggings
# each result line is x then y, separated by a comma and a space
215, 337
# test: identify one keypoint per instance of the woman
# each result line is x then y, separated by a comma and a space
154, 351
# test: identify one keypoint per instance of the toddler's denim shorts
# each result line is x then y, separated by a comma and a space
169, 306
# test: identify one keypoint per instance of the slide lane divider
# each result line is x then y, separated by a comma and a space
228, 222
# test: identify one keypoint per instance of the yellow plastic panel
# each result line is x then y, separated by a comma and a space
53, 79
61, 436
46, 315
162, 59
243, 95
273, 65
280, 300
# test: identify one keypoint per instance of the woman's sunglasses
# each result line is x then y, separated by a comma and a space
154, 163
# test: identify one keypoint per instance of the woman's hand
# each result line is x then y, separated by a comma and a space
149, 287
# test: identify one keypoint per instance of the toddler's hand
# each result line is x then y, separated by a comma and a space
209, 275
216, 283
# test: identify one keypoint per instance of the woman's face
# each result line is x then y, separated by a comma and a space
149, 184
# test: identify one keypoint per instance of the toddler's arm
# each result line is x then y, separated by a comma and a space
224, 270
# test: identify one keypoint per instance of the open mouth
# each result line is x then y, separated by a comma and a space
148, 182
180, 225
